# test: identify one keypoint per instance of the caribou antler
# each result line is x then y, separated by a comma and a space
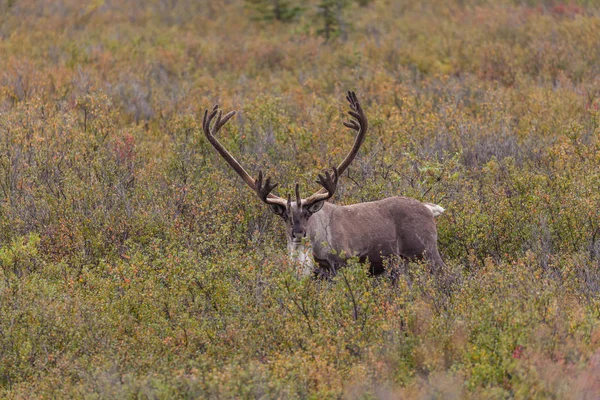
263, 192
329, 183
360, 125
263, 189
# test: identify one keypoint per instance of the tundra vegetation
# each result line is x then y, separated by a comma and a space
134, 263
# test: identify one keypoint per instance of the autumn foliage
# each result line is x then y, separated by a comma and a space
135, 264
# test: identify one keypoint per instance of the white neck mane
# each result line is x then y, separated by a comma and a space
301, 255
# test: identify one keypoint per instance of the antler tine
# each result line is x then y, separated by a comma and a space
298, 198
352, 125
216, 126
329, 183
360, 125
208, 118
263, 192
221, 122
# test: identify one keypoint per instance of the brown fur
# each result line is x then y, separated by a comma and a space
398, 226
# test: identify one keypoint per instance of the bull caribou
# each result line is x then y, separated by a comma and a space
395, 226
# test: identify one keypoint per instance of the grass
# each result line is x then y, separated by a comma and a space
135, 264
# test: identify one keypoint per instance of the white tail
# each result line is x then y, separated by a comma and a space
435, 209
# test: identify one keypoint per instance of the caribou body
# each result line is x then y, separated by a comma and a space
322, 236
372, 231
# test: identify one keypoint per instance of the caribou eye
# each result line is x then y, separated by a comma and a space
277, 209
316, 207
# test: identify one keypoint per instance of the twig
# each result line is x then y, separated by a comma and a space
354, 305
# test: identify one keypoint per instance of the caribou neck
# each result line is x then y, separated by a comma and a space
301, 254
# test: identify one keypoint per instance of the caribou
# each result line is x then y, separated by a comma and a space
322, 236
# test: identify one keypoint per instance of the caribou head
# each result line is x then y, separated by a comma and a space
394, 226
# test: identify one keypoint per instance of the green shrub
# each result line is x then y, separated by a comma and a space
135, 263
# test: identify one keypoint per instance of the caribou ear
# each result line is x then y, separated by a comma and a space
313, 208
277, 208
